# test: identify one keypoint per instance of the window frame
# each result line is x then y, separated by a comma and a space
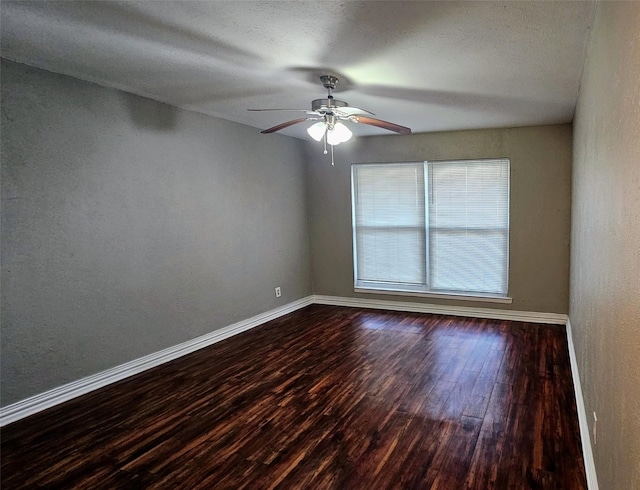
424, 290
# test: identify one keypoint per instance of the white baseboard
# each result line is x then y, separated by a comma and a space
466, 311
585, 436
61, 394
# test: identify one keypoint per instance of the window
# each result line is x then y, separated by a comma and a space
432, 227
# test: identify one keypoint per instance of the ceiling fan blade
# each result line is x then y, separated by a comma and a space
285, 125
351, 111
381, 124
306, 111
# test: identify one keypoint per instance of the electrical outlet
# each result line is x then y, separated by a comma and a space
595, 429
278, 292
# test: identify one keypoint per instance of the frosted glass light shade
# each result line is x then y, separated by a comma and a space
339, 134
316, 131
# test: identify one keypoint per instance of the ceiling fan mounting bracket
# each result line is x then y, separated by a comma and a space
329, 81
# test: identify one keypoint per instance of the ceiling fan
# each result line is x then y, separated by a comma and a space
329, 115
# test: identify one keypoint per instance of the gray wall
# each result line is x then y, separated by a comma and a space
605, 251
129, 226
540, 207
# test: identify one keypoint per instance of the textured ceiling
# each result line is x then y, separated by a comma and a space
431, 66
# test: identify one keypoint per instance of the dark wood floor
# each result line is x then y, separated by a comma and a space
326, 397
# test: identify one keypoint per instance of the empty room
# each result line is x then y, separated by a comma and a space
320, 244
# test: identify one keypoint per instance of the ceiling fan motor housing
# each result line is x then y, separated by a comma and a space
326, 105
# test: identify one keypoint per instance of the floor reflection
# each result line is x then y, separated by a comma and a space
438, 367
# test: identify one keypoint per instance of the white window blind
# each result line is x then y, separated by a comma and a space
432, 226
389, 216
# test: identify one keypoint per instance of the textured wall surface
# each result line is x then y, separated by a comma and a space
129, 226
540, 207
605, 250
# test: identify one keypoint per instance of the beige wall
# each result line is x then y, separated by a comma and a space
129, 226
540, 207
605, 252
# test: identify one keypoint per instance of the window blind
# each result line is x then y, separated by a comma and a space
432, 226
389, 215
469, 225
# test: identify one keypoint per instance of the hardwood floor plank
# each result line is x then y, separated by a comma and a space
325, 398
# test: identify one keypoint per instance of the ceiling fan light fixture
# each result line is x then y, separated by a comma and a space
332, 138
338, 134
317, 130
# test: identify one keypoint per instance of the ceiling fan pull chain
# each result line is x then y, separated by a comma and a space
332, 163
325, 143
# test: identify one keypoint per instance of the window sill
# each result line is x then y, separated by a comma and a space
422, 294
